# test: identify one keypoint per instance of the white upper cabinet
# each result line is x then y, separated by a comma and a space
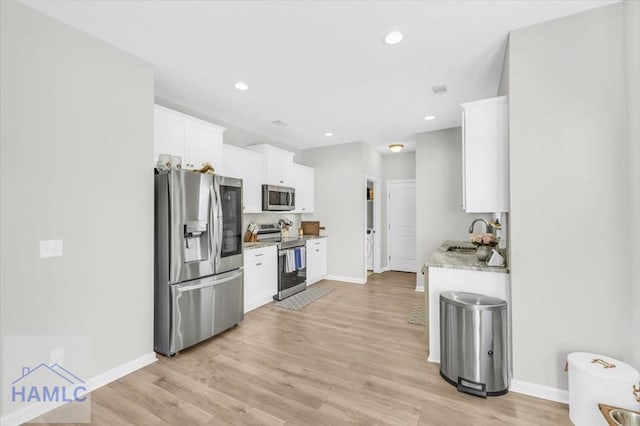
485, 156
303, 183
203, 145
169, 133
195, 140
246, 165
278, 165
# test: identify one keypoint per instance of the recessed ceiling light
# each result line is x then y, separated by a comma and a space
394, 37
395, 147
241, 86
328, 134
430, 117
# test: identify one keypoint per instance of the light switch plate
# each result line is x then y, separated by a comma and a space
51, 248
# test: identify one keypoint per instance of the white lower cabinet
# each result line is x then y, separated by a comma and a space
316, 259
260, 276
495, 284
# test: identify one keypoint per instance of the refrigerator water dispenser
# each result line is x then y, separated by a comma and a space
195, 247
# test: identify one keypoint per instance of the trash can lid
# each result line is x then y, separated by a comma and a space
472, 300
601, 366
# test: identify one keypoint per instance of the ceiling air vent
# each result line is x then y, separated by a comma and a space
279, 123
439, 90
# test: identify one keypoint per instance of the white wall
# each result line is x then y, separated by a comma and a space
76, 141
569, 194
339, 205
399, 166
439, 192
632, 65
503, 86
372, 162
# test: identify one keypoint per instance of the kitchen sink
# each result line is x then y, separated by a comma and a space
620, 416
461, 250
625, 417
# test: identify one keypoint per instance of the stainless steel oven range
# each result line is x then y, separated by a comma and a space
292, 260
292, 268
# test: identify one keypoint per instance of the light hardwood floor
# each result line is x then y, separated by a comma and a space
350, 357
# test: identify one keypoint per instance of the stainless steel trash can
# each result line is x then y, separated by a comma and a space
473, 343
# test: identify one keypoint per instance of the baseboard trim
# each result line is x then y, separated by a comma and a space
32, 411
385, 269
540, 391
351, 280
122, 370
420, 288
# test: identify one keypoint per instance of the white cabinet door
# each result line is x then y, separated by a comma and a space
303, 183
253, 182
203, 145
260, 276
169, 133
485, 152
195, 141
316, 259
246, 165
402, 225
278, 165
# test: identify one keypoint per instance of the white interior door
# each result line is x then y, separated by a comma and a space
402, 226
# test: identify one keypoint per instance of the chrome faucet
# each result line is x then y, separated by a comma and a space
487, 227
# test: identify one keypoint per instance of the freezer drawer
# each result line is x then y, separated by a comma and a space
204, 308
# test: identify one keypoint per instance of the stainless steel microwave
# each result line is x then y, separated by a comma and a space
278, 198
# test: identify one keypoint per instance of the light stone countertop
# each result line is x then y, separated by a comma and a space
260, 244
441, 258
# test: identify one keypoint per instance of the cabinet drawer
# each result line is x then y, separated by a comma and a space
317, 243
254, 254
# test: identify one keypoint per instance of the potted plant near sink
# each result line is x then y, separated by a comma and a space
485, 242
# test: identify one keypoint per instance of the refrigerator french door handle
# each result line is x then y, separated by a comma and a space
214, 282
219, 224
212, 230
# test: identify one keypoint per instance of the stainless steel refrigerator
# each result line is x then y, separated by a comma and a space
198, 258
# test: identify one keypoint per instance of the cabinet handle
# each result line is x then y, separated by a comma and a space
281, 181
259, 254
317, 249
259, 264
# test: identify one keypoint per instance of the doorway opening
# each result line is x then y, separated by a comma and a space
372, 226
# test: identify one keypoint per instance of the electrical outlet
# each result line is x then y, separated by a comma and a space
51, 248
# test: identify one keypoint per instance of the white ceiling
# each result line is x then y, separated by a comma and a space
318, 66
